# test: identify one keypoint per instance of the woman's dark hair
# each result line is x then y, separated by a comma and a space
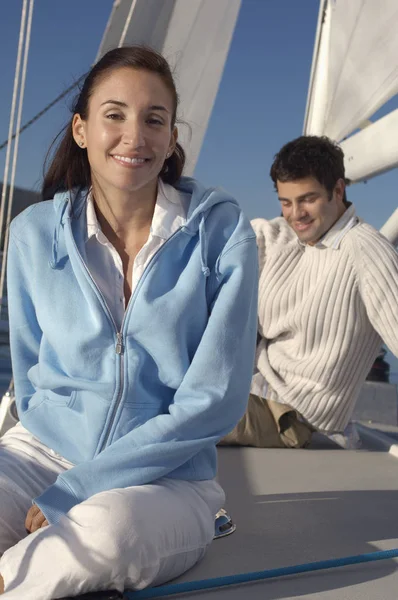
68, 166
310, 156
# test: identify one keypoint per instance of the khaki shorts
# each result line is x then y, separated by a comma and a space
269, 424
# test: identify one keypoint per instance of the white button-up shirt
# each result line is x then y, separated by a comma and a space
104, 262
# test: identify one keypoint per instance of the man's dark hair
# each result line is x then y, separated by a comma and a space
310, 156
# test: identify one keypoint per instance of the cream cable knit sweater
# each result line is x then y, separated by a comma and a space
323, 313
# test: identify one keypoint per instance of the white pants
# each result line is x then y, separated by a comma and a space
122, 538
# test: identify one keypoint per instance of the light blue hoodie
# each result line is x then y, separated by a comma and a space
151, 400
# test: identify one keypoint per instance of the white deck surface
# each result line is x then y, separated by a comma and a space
298, 506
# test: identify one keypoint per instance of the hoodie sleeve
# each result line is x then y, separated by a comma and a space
209, 402
25, 332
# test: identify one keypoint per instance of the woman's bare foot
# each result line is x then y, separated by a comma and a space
1, 585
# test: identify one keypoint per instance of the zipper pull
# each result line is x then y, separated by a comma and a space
119, 343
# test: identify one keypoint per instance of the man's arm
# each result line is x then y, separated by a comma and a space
378, 280
259, 226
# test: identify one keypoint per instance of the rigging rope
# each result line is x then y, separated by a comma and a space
44, 110
12, 115
15, 153
69, 89
218, 582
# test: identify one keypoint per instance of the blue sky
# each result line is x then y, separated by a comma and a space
260, 105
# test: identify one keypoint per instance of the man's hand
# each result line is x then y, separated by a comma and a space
35, 519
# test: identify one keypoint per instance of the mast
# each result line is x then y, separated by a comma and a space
316, 60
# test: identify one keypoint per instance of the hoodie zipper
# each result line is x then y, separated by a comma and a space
120, 341
119, 347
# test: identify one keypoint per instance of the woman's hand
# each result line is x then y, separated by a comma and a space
35, 519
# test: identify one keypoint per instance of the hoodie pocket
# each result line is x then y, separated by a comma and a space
50, 397
134, 415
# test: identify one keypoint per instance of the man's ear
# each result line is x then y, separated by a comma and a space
339, 189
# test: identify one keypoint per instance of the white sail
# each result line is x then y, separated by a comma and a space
373, 150
355, 69
390, 228
318, 89
194, 36
354, 73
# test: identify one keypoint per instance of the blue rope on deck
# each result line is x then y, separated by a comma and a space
217, 582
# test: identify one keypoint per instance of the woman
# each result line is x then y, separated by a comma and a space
132, 300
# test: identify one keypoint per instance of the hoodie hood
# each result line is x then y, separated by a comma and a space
70, 205
202, 200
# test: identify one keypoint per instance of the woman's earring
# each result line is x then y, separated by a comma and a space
81, 144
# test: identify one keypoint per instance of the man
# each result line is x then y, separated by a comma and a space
328, 297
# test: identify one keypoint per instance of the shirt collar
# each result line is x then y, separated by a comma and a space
335, 235
170, 211
168, 216
93, 227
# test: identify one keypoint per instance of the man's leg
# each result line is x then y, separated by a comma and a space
294, 432
256, 428
123, 538
268, 424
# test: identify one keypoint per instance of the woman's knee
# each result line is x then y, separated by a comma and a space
109, 519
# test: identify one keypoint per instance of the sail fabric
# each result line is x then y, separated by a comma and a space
355, 69
390, 228
195, 37
373, 150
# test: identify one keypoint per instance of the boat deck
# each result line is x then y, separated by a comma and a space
298, 506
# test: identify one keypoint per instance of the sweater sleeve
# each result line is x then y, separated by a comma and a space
259, 226
209, 402
378, 280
